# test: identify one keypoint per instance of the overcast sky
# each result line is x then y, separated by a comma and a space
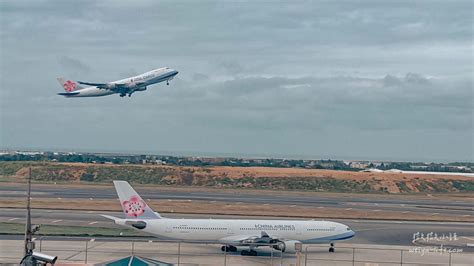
313, 79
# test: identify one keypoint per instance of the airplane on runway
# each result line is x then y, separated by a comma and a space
281, 235
122, 87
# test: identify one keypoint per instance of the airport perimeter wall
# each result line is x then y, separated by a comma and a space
179, 253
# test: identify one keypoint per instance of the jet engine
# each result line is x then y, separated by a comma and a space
286, 246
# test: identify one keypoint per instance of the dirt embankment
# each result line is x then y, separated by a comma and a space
243, 177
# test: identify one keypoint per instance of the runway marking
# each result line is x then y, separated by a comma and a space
466, 215
90, 198
370, 229
266, 204
213, 201
435, 213
293, 206
170, 200
348, 209
90, 212
406, 212
93, 222
13, 219
56, 221
60, 198
320, 207
376, 210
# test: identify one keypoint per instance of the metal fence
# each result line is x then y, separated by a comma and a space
92, 251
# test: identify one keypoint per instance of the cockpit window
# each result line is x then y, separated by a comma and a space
348, 229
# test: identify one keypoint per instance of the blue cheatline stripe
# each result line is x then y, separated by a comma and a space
164, 77
332, 238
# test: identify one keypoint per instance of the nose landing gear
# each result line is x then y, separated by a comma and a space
331, 248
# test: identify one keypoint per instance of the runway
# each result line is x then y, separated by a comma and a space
435, 205
367, 231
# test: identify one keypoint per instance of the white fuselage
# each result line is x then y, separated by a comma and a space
225, 231
145, 79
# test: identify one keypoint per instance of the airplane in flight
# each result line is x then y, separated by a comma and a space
123, 87
282, 235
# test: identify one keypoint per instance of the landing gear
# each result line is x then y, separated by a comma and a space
331, 248
122, 94
248, 252
129, 95
168, 82
229, 248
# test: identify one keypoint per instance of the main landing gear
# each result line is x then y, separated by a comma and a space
122, 94
248, 252
229, 248
331, 248
168, 82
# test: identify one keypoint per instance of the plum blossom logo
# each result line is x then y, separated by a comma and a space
69, 86
134, 207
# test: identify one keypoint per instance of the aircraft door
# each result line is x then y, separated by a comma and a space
299, 230
169, 228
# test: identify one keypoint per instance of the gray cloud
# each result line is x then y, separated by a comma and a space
74, 66
345, 79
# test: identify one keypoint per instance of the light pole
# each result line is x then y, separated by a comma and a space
30, 257
29, 245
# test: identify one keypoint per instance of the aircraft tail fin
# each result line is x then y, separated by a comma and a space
69, 85
132, 204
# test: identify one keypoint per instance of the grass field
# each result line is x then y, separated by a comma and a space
59, 230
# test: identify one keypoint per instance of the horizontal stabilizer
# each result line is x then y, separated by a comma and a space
68, 93
109, 217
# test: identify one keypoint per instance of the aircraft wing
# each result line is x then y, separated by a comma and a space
128, 85
98, 85
118, 87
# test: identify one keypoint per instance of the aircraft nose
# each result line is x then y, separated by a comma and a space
352, 233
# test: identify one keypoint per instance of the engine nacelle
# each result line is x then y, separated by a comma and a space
141, 89
287, 246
